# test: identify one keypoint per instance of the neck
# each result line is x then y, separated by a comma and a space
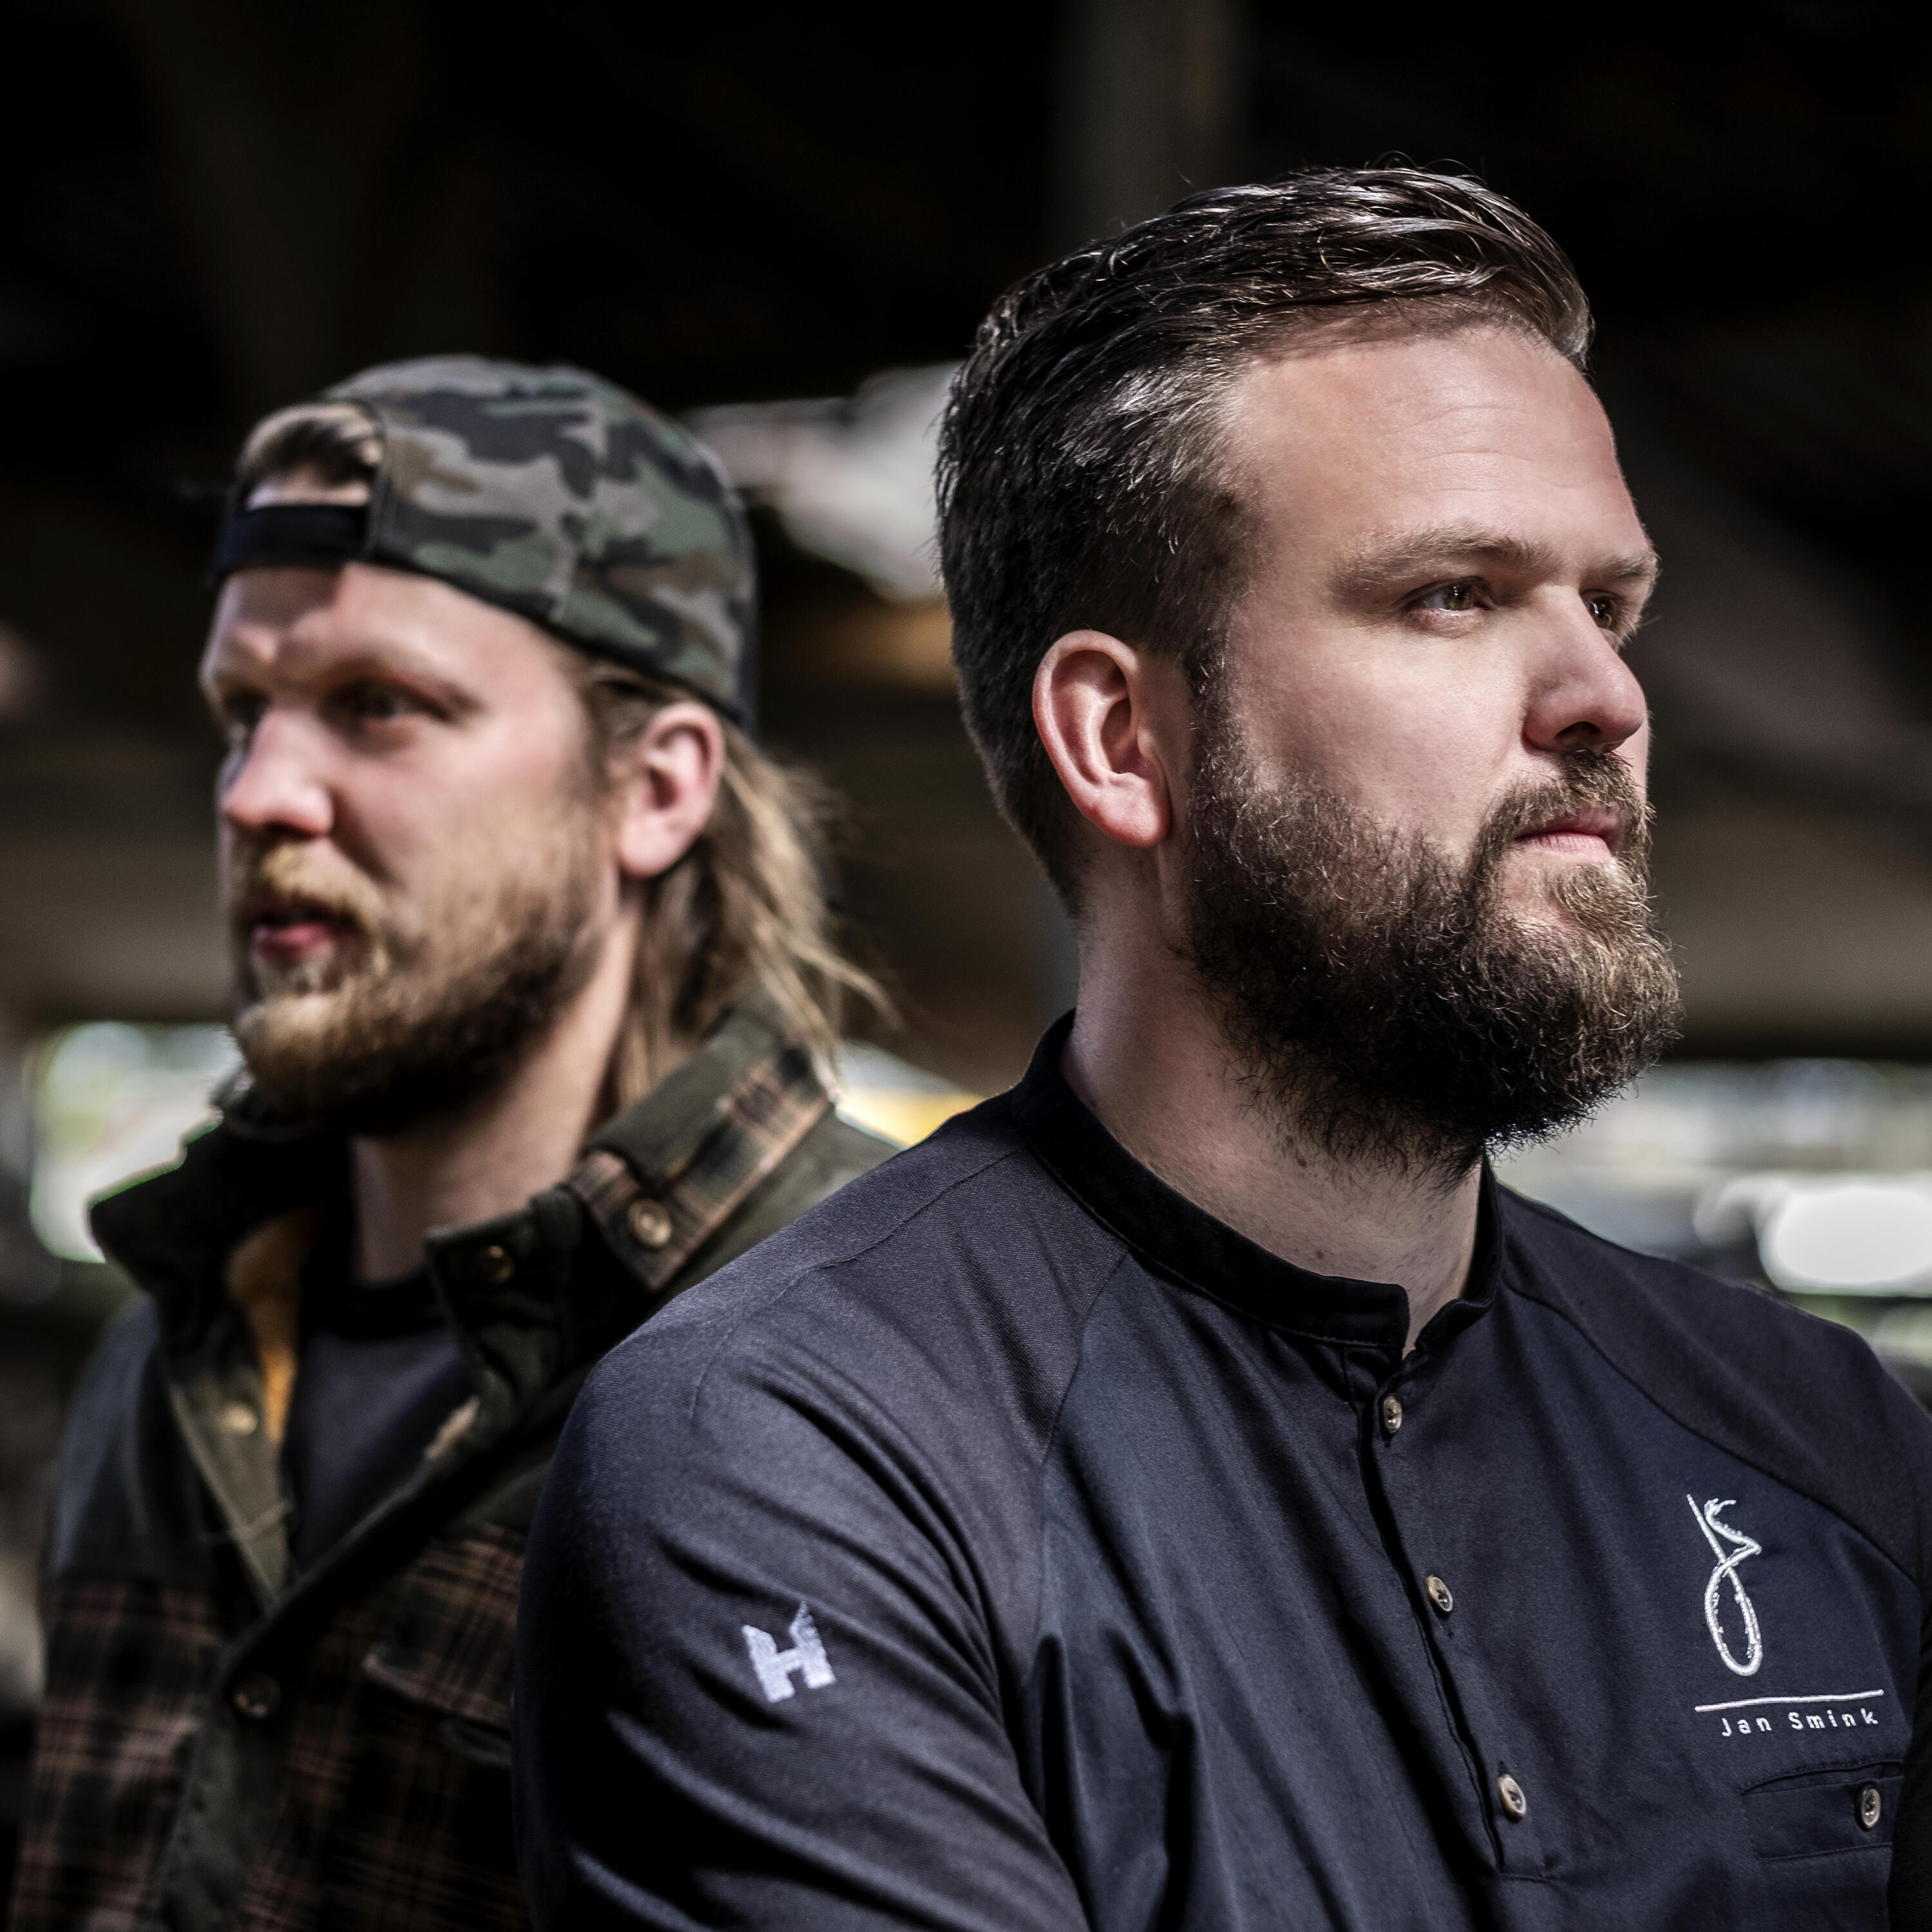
490, 1157
1147, 1056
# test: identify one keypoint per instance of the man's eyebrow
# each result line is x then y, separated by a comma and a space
1377, 564
374, 663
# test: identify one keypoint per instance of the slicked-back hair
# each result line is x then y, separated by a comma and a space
1081, 480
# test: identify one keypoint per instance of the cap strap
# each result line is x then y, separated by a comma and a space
326, 534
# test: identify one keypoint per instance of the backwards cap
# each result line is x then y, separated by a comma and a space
551, 493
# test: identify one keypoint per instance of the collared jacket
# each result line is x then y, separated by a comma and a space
1021, 1549
223, 1743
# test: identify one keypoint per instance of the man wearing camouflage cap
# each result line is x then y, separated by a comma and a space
500, 863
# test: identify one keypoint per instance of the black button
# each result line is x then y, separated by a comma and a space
257, 1696
1871, 1807
492, 1265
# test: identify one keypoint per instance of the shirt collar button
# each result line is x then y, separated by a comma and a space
650, 1224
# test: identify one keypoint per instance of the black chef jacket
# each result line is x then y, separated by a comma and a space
1009, 1545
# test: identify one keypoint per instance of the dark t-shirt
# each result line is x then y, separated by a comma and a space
379, 1375
1010, 1546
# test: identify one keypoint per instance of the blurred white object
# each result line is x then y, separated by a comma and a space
111, 1101
1845, 1234
850, 477
1740, 1167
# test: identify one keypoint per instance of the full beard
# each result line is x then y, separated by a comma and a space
1383, 1003
419, 1023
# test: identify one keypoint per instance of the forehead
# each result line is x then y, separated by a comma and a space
1330, 443
296, 622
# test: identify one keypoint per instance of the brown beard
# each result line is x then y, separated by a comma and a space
419, 1022
1384, 1003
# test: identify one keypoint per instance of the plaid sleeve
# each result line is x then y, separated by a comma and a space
128, 1664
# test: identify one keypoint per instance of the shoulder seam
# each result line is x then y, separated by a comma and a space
1703, 1436
825, 1264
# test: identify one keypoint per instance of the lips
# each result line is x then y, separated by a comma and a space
286, 932
1589, 831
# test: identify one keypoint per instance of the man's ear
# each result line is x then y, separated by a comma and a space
1107, 713
663, 785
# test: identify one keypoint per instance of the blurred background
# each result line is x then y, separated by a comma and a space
787, 221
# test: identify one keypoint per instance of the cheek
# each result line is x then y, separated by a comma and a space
484, 807
1419, 742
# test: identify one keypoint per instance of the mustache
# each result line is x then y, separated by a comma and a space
262, 877
1590, 776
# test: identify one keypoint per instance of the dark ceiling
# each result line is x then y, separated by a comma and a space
211, 207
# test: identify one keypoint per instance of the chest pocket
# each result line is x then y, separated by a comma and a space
1821, 1811
447, 1646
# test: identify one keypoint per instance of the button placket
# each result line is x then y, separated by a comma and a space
1405, 1472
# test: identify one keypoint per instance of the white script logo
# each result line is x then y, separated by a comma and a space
1727, 1572
806, 1656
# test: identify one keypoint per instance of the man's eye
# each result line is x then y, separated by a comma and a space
1604, 610
1453, 597
239, 716
377, 702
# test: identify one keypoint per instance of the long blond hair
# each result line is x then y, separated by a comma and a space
742, 916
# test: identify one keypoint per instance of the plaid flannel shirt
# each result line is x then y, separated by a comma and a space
223, 1745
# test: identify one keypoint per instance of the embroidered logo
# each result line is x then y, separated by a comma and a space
1740, 1548
806, 1657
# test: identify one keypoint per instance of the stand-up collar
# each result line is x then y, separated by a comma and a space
1179, 1239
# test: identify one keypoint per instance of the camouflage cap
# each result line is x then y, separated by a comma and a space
552, 494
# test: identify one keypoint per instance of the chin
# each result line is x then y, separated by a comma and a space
273, 1021
312, 979
1553, 878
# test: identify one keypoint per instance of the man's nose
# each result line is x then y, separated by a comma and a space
1583, 693
279, 782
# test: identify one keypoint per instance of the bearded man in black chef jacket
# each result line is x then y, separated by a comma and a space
1188, 1490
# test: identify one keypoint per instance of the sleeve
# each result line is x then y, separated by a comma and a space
757, 1684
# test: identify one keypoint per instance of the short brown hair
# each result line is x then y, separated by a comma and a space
1080, 483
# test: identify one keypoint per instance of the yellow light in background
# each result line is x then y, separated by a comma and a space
879, 1090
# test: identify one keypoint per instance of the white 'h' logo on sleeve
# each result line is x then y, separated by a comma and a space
775, 1666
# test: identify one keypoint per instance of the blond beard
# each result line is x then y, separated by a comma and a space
419, 1020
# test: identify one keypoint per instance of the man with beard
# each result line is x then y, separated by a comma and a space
1188, 1491
500, 864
